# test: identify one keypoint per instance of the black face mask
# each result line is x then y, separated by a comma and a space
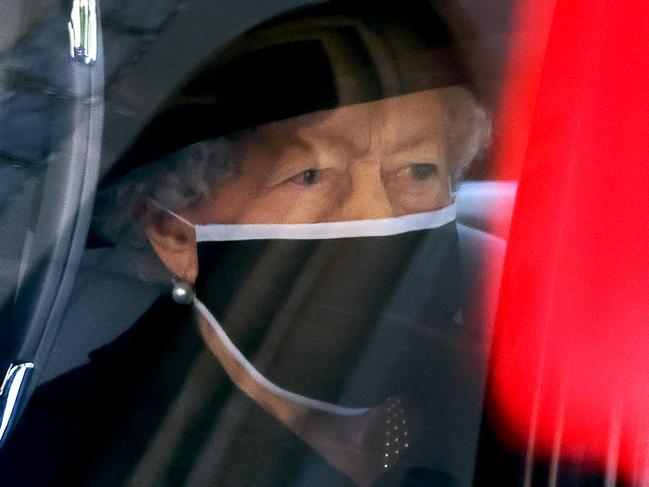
324, 313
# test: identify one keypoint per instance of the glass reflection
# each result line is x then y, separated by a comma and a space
327, 360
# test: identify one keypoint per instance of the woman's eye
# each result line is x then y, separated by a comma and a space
307, 178
422, 171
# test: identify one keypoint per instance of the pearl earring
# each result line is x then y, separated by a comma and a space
182, 292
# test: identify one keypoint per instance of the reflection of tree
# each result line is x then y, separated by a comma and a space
35, 71
17, 17
38, 96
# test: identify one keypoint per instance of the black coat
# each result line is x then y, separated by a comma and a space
156, 408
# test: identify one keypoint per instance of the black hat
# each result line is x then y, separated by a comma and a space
315, 58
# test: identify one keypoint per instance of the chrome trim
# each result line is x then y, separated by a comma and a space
9, 393
82, 29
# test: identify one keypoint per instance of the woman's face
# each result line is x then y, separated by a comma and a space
372, 160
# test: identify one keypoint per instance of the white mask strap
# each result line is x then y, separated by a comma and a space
236, 354
172, 213
379, 227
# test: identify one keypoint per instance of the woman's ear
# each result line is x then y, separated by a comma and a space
175, 243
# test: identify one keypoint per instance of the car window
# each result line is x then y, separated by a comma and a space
299, 243
311, 156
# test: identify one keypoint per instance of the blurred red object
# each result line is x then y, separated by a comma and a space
570, 373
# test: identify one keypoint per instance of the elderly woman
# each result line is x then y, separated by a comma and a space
298, 189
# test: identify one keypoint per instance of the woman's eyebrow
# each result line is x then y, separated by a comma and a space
413, 141
347, 144
279, 144
342, 145
314, 141
286, 154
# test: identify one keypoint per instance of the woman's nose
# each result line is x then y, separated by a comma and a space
366, 197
